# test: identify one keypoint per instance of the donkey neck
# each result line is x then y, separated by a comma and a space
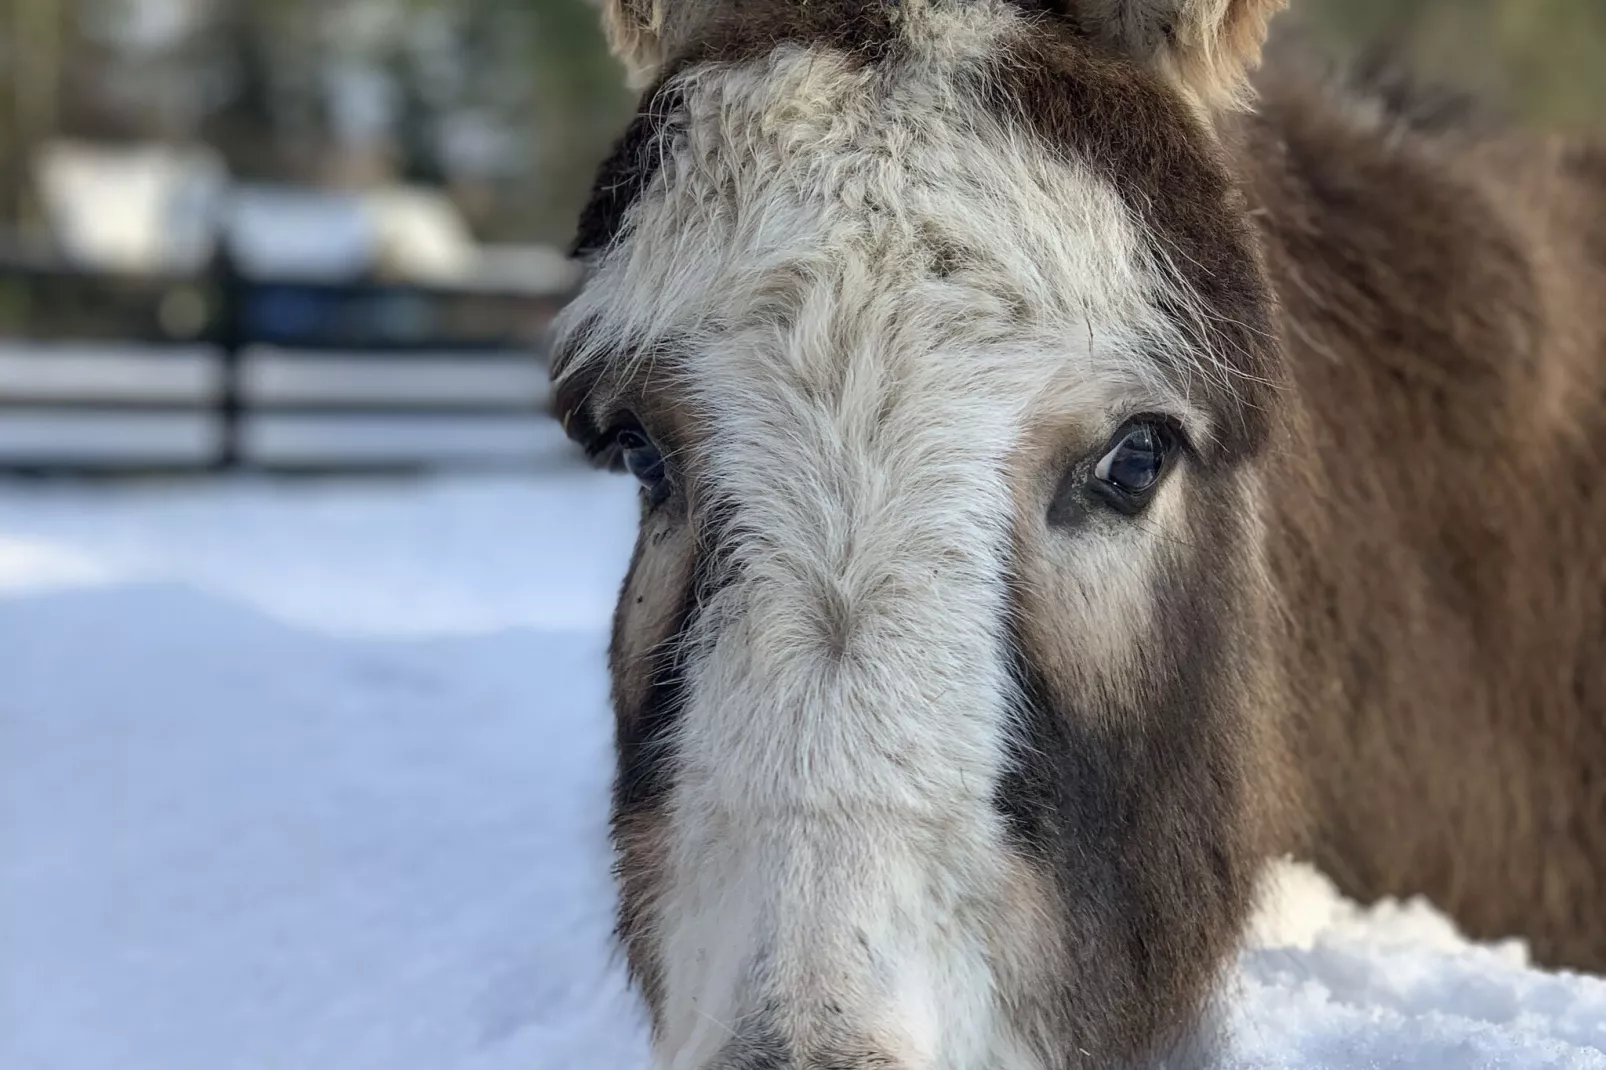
1426, 521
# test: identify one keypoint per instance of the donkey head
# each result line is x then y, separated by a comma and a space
937, 338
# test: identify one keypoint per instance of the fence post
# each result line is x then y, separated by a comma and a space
230, 336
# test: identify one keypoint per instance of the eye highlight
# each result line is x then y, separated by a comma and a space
1133, 465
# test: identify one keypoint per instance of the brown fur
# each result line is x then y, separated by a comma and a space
1436, 539
1439, 540
1382, 643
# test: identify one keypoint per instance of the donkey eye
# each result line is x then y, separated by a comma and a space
643, 460
1128, 474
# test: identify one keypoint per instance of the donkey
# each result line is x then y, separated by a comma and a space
1079, 463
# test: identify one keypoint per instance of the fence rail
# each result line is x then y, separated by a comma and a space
222, 371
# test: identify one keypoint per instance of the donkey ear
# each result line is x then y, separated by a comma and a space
634, 30
1207, 47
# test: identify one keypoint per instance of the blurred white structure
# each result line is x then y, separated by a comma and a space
419, 234
159, 208
132, 209
300, 233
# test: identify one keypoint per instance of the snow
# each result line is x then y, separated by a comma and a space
314, 775
1326, 983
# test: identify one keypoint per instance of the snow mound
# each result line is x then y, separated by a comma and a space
1324, 982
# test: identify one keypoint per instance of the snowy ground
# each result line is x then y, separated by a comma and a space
314, 778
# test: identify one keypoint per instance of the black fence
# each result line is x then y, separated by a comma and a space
103, 372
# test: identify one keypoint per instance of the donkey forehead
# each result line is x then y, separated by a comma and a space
809, 207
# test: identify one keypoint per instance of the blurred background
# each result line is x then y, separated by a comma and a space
260, 232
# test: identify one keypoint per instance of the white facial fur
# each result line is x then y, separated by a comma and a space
872, 428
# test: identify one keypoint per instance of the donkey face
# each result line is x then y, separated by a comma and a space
941, 350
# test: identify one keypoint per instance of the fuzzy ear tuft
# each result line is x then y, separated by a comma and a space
1206, 47
634, 29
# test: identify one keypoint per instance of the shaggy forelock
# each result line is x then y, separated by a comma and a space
749, 191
